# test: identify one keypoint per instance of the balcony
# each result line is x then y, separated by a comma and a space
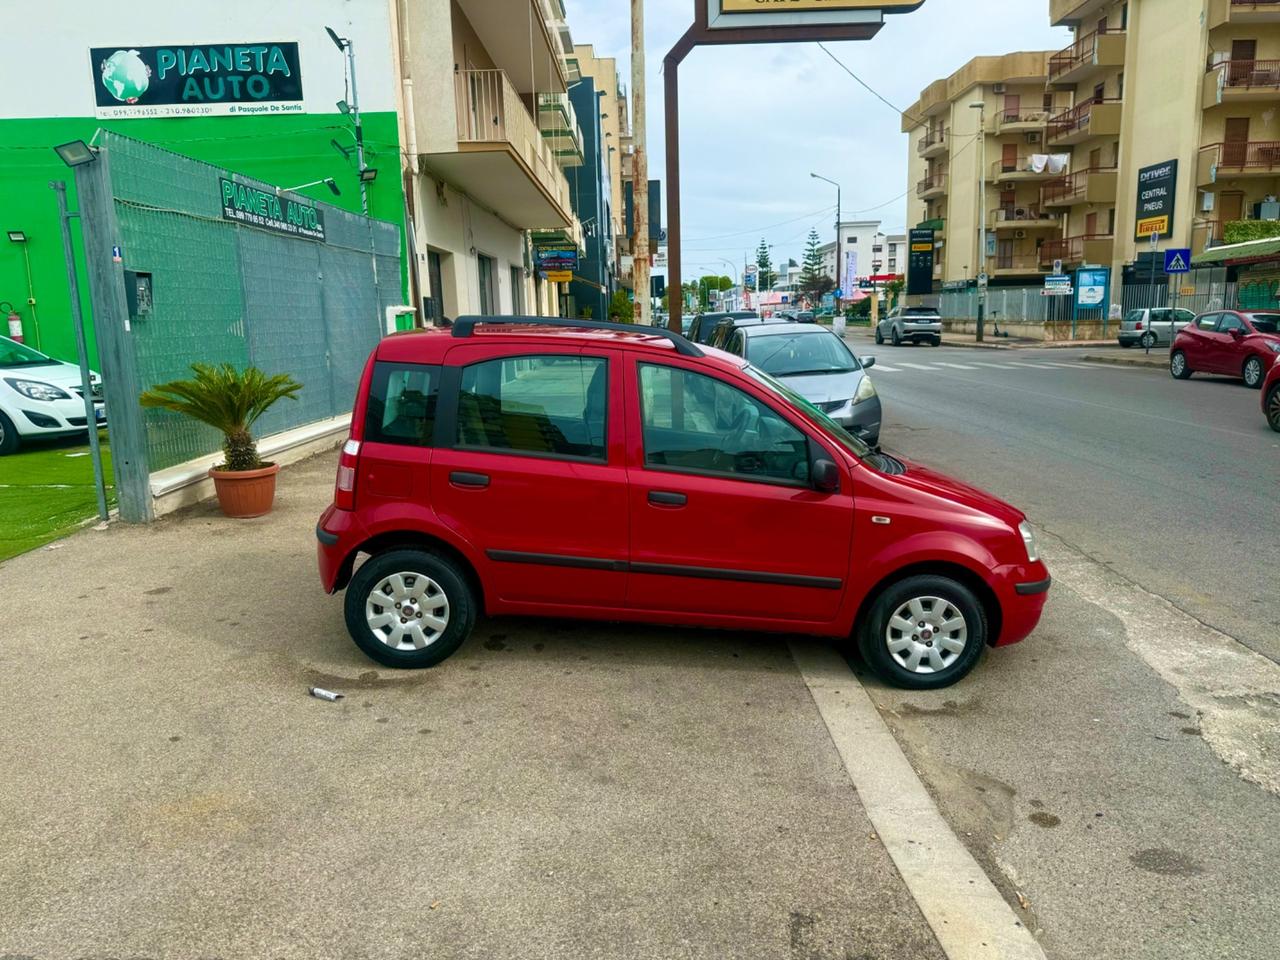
1088, 56
1021, 169
932, 186
1016, 264
1093, 118
559, 125
1064, 13
1018, 219
1092, 185
1253, 158
934, 143
522, 40
1223, 12
1240, 81
1073, 251
1019, 121
502, 158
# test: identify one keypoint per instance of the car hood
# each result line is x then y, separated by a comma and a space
825, 387
948, 488
58, 373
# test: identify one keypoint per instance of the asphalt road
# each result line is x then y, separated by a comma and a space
1173, 484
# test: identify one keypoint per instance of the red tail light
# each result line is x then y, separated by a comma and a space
1138, 325
344, 489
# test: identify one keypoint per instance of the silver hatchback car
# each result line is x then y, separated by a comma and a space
917, 324
1153, 326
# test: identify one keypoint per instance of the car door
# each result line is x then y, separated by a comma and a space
1229, 350
1198, 344
724, 520
531, 471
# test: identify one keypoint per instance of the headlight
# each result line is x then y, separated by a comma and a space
37, 390
1029, 541
866, 390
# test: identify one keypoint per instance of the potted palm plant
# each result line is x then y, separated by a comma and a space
231, 401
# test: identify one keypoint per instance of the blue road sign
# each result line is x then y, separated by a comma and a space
1177, 261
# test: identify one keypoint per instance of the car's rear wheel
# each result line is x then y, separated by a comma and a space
409, 608
1126, 344
897, 337
1148, 340
8, 436
1253, 373
923, 633
1178, 365
1273, 408
879, 335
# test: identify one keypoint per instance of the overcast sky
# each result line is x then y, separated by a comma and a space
755, 120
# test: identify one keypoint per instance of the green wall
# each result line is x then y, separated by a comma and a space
284, 149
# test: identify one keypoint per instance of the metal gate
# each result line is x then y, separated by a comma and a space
220, 290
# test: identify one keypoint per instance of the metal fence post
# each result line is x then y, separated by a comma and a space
115, 343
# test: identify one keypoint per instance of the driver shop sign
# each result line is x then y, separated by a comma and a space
1157, 190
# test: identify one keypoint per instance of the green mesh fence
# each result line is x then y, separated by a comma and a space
226, 292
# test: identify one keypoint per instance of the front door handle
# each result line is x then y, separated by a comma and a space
477, 481
664, 498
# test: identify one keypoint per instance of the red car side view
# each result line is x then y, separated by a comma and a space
566, 468
1271, 396
1232, 343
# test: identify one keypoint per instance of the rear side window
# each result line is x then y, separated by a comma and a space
552, 406
402, 404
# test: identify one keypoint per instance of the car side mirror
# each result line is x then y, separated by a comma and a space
826, 476
867, 361
1237, 332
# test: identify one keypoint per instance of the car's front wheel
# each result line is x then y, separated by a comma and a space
1178, 365
936, 341
8, 436
923, 633
1273, 408
897, 337
1253, 373
409, 608
879, 335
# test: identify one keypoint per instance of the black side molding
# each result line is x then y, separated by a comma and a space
666, 569
556, 560
1030, 589
325, 537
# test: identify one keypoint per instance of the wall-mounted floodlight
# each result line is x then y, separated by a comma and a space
75, 153
345, 151
327, 181
17, 236
368, 174
343, 106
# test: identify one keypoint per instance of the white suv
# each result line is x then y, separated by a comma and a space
40, 396
917, 324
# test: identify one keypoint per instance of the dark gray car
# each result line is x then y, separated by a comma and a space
816, 364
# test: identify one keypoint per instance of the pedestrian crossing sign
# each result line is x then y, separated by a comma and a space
1177, 261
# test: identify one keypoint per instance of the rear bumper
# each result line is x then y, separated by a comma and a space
921, 331
338, 533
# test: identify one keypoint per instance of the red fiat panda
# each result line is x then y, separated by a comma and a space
576, 468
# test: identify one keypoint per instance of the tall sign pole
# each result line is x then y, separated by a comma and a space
640, 169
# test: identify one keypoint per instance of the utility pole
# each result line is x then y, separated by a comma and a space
640, 169
981, 107
348, 49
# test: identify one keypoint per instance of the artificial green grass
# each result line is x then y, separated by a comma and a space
46, 492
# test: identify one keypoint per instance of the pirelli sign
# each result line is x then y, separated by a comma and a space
756, 13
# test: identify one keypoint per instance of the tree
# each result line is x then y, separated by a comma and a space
894, 289
622, 306
814, 282
766, 278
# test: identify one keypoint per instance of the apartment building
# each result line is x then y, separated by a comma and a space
490, 130
871, 245
977, 152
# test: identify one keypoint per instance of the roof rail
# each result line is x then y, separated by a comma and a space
465, 326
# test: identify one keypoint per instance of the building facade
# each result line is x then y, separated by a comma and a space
871, 245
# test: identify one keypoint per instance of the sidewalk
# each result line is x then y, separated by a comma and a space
991, 342
1158, 358
555, 789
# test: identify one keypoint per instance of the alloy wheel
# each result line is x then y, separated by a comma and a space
1273, 408
1252, 372
926, 635
407, 611
1178, 364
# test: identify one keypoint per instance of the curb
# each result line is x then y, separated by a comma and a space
1141, 360
968, 916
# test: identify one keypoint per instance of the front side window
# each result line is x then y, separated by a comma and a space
552, 406
1230, 321
402, 404
699, 424
1208, 322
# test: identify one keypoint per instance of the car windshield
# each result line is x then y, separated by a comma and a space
14, 354
1265, 322
833, 429
801, 354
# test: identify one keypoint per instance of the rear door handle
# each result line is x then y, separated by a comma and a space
663, 498
476, 480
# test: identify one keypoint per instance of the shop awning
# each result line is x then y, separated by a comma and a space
1252, 251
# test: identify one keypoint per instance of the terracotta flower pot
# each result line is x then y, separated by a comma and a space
246, 493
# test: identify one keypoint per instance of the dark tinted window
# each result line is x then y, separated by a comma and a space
1265, 322
402, 404
549, 405
699, 424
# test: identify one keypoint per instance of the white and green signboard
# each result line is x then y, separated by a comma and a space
270, 211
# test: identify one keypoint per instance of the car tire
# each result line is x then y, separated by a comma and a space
1253, 373
879, 335
1273, 408
936, 341
9, 441
397, 575
897, 337
1148, 340
1126, 344
889, 650
1178, 365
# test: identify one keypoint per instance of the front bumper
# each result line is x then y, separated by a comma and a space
53, 418
860, 419
1022, 590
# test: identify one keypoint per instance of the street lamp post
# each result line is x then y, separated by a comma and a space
348, 49
838, 257
981, 107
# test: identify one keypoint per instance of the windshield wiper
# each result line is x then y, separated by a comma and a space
814, 373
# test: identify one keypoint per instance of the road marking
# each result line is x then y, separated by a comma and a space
886, 369
956, 366
1067, 366
969, 918
919, 366
1029, 366
993, 366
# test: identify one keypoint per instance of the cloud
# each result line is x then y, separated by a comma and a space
756, 120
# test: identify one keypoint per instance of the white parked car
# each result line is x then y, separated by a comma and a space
40, 396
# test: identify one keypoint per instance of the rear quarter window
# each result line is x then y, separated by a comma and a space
402, 404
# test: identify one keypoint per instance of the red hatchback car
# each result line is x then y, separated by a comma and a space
1271, 396
568, 468
1233, 343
